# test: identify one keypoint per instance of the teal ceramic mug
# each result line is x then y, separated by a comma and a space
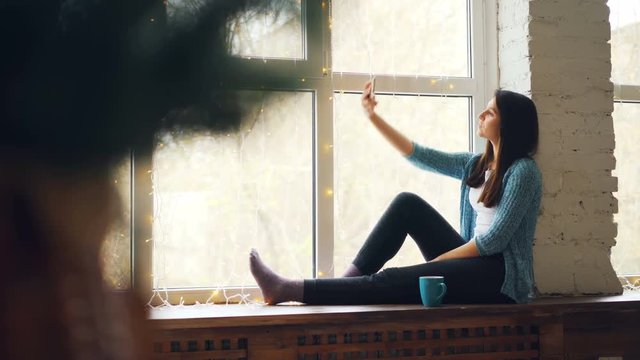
432, 290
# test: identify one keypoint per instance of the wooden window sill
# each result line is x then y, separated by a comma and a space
549, 328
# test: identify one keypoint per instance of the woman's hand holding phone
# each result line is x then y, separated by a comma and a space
368, 98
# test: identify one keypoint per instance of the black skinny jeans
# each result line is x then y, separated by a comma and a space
469, 281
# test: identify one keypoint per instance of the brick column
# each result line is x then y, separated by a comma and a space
557, 52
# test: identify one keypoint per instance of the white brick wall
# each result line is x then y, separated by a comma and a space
557, 52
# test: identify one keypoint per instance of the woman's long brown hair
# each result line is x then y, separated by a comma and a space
518, 139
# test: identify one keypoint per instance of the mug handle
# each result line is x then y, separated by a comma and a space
444, 291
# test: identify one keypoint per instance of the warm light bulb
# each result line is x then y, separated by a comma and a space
328, 192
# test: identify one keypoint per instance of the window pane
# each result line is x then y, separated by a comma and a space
116, 249
625, 41
411, 37
216, 197
273, 33
626, 254
369, 173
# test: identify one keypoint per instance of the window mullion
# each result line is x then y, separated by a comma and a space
484, 60
320, 45
626, 93
427, 85
142, 220
324, 191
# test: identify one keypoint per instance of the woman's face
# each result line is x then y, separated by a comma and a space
489, 122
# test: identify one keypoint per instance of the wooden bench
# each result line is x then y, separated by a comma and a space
551, 329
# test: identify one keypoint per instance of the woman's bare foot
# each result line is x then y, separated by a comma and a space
275, 289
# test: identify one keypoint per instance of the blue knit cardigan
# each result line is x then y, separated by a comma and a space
513, 227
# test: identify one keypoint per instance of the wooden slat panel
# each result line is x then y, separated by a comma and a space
612, 333
443, 342
487, 356
552, 341
273, 354
167, 356
215, 354
413, 344
568, 333
493, 356
480, 340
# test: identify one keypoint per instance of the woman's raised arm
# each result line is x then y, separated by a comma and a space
396, 138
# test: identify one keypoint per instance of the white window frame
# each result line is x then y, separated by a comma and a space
314, 75
627, 94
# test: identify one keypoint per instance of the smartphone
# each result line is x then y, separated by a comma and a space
373, 87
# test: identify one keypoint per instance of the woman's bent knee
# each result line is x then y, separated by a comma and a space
410, 200
407, 197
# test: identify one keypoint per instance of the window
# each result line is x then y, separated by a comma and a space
625, 56
251, 188
306, 177
368, 173
409, 37
273, 34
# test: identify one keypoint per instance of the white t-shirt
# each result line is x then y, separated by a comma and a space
484, 215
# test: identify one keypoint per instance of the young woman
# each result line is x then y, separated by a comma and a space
490, 261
